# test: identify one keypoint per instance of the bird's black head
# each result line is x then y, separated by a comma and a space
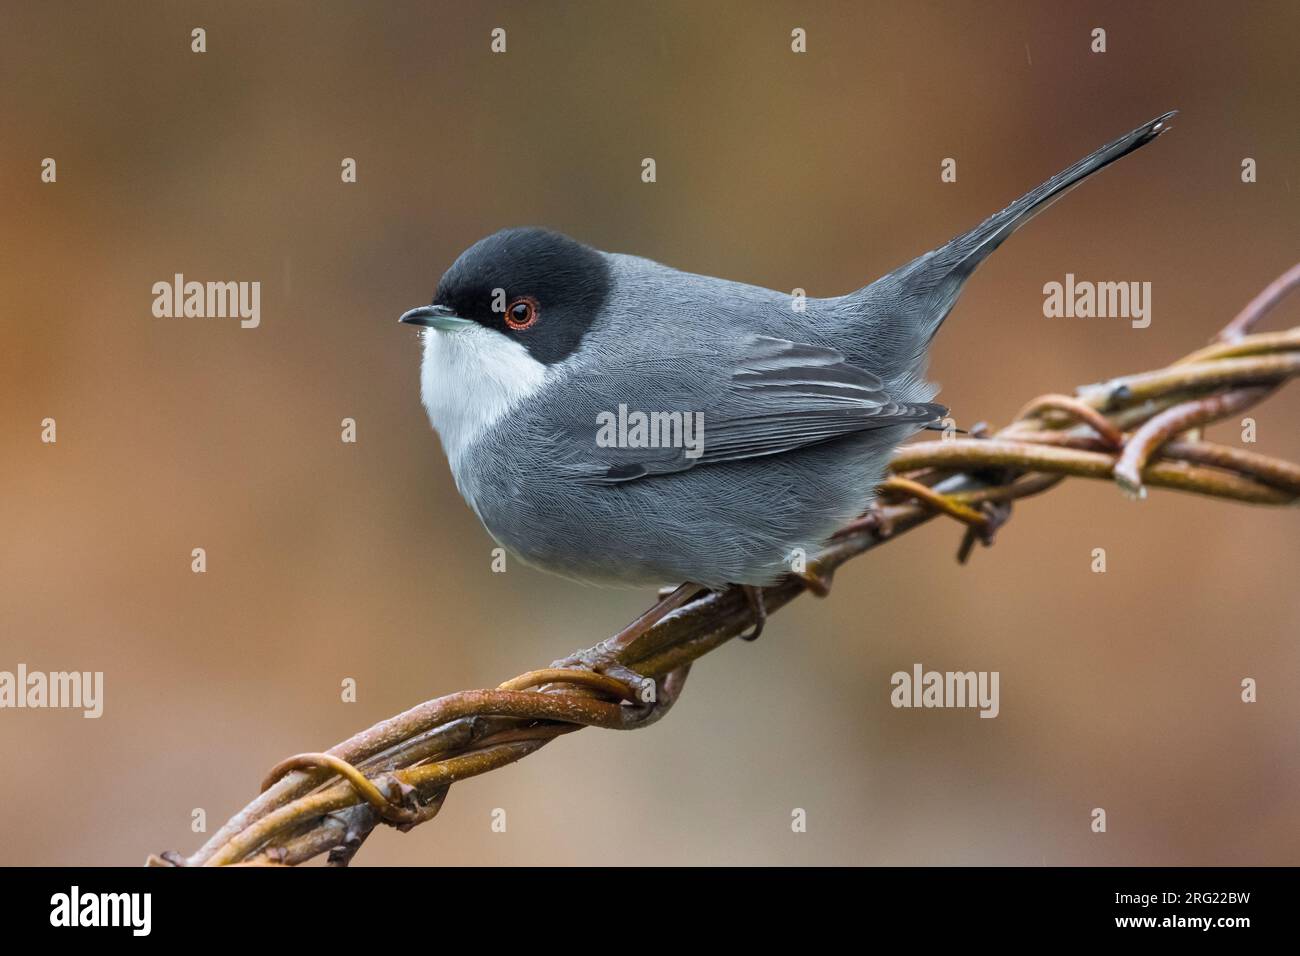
537, 287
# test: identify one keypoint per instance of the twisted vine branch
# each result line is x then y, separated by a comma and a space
1139, 430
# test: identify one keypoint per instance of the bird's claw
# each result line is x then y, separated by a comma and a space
603, 659
754, 596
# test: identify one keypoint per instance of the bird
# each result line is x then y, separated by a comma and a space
535, 342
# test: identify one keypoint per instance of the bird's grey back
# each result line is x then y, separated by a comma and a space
658, 309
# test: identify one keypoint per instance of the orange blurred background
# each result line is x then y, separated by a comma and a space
329, 560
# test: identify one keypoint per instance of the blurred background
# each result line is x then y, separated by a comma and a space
329, 560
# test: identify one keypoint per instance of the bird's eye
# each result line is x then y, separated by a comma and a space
521, 313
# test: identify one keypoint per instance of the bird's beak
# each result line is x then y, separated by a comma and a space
435, 317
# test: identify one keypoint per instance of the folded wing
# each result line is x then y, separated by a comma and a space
776, 397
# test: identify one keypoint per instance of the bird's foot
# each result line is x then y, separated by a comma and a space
754, 596
647, 699
603, 659
873, 521
607, 656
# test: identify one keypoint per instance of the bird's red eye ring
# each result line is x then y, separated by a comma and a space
522, 313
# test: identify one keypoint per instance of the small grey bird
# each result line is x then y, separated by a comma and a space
540, 353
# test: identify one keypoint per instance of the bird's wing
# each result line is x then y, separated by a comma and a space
769, 397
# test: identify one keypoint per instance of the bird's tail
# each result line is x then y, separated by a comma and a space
913, 301
967, 251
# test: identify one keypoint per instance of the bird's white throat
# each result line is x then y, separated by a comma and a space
470, 379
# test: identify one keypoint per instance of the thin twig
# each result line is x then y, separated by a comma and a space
1144, 442
1259, 306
